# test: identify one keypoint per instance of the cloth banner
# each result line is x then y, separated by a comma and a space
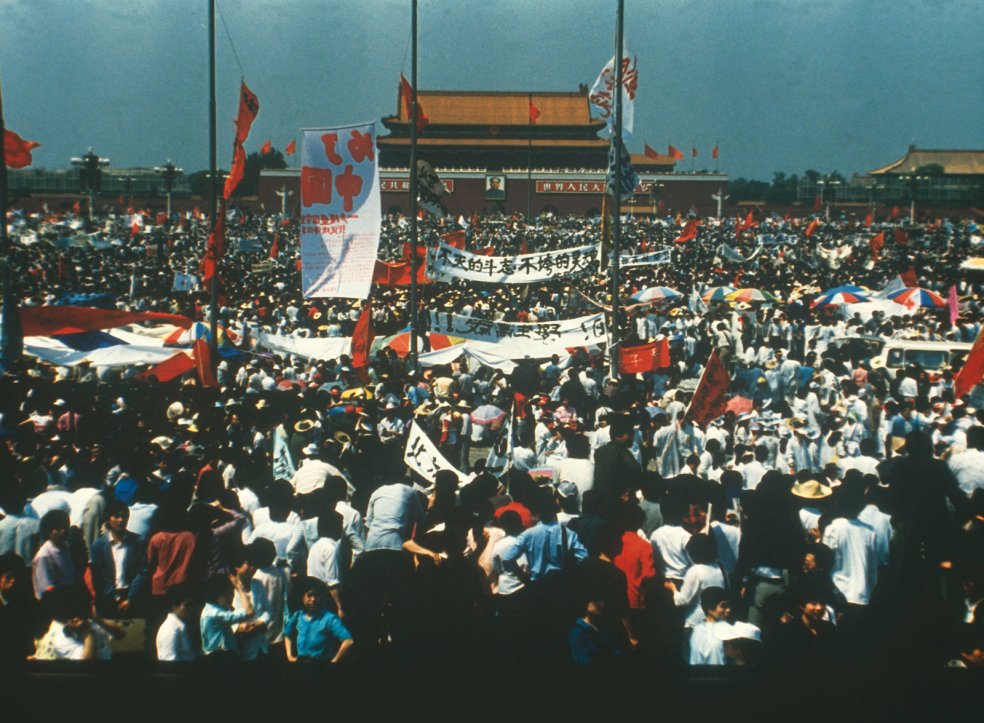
710, 398
602, 95
184, 282
569, 333
52, 320
423, 457
397, 274
972, 371
644, 358
283, 465
326, 348
652, 258
340, 211
446, 263
728, 253
481, 356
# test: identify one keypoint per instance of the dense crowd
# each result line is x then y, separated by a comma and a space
838, 516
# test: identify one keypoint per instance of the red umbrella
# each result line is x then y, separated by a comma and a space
401, 342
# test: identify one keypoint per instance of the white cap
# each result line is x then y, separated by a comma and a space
739, 631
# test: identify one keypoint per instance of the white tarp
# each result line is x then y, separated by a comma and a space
55, 352
867, 309
328, 348
423, 457
478, 354
340, 211
446, 262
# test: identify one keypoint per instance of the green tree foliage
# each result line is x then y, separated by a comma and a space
255, 162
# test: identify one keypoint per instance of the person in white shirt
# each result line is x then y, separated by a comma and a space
273, 581
173, 642
670, 542
704, 647
703, 574
753, 471
252, 634
323, 558
968, 466
855, 569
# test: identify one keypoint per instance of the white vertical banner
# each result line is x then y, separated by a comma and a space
602, 93
283, 465
340, 211
423, 457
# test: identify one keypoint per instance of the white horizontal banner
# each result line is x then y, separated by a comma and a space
446, 262
329, 348
515, 340
652, 258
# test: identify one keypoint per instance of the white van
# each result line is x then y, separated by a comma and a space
930, 355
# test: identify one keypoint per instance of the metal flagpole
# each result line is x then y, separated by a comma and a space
617, 191
213, 193
414, 262
13, 343
529, 160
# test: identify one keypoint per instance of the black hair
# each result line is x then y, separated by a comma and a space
215, 587
115, 508
702, 549
54, 520
179, 593
330, 525
711, 597
510, 522
261, 552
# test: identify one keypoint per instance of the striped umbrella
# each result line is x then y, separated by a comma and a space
751, 295
655, 293
834, 297
913, 297
400, 343
717, 293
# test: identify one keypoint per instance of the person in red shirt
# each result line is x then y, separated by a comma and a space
637, 562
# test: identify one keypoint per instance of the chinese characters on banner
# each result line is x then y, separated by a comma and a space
583, 331
602, 93
447, 262
653, 258
645, 358
423, 457
340, 211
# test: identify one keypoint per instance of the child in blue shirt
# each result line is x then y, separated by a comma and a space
218, 616
315, 633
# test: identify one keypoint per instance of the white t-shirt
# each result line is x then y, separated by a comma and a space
669, 546
855, 569
322, 561
506, 582
698, 578
705, 648
173, 642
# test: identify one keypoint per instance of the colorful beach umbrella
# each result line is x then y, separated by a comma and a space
835, 297
913, 297
400, 343
717, 293
488, 415
656, 293
750, 296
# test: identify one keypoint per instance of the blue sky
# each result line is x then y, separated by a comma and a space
779, 84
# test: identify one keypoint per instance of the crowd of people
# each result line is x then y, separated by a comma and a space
837, 517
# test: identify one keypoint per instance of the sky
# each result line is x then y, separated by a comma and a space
778, 85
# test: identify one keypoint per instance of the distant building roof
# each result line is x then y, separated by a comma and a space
642, 162
488, 108
954, 163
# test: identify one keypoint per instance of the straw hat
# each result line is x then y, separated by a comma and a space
304, 426
812, 489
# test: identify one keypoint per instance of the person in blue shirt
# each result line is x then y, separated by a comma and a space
548, 545
218, 616
316, 633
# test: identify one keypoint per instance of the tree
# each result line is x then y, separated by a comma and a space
199, 183
255, 162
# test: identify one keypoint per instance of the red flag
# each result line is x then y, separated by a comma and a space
170, 369
203, 363
901, 237
714, 153
710, 398
675, 153
291, 148
748, 223
362, 337
645, 358
909, 277
275, 248
868, 220
52, 320
249, 106
134, 230
488, 250
76, 208
651, 152
17, 151
812, 227
895, 211
534, 112
689, 231
693, 151
877, 242
972, 371
397, 274
817, 203
267, 147
455, 239
214, 247
409, 100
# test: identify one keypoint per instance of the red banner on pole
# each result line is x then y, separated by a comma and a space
710, 398
972, 371
644, 358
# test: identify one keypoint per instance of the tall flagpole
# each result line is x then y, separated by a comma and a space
13, 340
529, 159
213, 303
414, 262
617, 193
